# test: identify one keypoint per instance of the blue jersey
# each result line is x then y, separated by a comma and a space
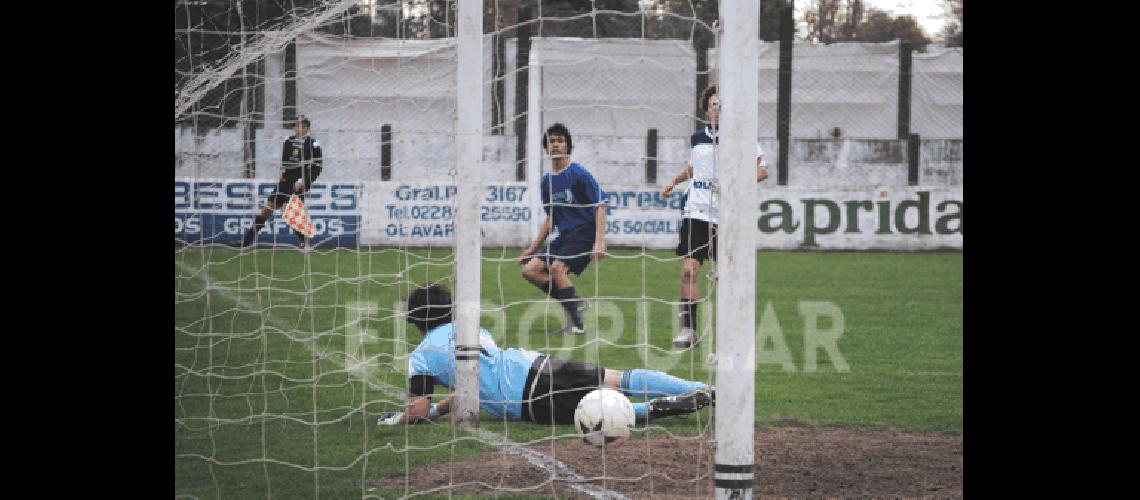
502, 372
571, 197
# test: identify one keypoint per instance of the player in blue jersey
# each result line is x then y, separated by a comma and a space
573, 203
523, 385
698, 220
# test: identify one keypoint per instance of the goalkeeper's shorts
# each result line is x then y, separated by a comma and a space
554, 388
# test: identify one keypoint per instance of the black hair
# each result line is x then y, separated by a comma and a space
429, 306
706, 95
304, 122
559, 129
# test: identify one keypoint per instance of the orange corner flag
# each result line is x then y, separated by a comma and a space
297, 216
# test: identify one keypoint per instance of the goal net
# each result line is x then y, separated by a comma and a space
288, 349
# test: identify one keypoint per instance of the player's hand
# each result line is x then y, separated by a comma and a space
599, 250
298, 187
526, 255
761, 174
667, 189
393, 418
389, 418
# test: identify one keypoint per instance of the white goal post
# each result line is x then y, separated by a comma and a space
736, 262
468, 243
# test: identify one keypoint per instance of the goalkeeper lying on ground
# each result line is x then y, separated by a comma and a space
519, 384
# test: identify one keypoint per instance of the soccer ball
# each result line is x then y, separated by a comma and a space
604, 418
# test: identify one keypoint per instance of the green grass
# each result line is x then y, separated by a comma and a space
257, 412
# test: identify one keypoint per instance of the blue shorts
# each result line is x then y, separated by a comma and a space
573, 248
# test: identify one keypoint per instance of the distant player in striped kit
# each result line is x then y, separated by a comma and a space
698, 220
573, 203
523, 385
301, 160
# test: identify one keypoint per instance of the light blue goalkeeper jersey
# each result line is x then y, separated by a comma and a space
502, 372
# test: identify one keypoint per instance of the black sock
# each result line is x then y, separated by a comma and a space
250, 235
548, 288
569, 302
688, 313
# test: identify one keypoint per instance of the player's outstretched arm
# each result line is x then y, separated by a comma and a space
543, 232
600, 234
685, 175
419, 409
761, 169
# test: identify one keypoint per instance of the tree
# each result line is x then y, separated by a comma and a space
907, 29
952, 33
659, 19
850, 24
770, 13
881, 27
878, 27
831, 21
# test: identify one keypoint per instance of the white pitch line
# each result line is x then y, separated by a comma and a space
535, 458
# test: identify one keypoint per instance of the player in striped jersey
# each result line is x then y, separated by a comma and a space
698, 220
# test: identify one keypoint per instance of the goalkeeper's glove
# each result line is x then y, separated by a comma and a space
393, 417
389, 418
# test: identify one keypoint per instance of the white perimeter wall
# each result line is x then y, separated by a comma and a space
609, 93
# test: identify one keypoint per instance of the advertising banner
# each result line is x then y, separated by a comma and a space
222, 210
348, 214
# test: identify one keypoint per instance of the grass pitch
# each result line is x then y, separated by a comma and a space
283, 359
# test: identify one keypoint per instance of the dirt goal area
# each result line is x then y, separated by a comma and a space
791, 461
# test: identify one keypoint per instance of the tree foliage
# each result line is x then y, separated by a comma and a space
831, 21
952, 33
881, 27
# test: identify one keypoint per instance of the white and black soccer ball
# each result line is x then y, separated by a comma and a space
604, 417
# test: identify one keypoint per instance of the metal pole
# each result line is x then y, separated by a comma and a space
499, 45
245, 112
534, 139
386, 152
701, 47
522, 93
651, 157
913, 155
738, 209
784, 102
905, 52
274, 90
468, 244
289, 109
